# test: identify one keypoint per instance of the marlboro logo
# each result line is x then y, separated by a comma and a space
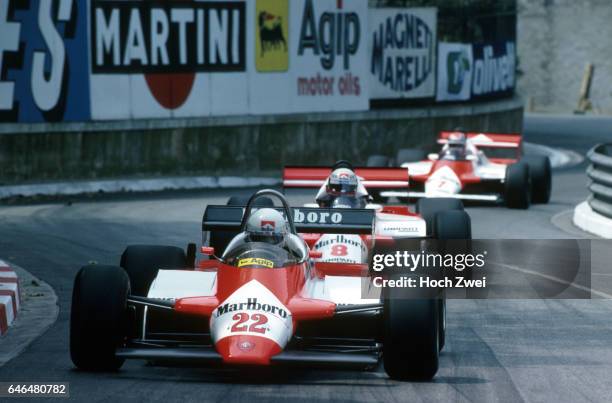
268, 225
251, 304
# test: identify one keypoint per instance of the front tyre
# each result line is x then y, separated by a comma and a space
142, 262
98, 318
411, 341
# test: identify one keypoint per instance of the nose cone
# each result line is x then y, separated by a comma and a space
247, 350
444, 181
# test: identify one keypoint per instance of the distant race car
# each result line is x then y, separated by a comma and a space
485, 167
259, 304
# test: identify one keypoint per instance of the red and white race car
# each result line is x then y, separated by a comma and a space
392, 220
257, 304
486, 167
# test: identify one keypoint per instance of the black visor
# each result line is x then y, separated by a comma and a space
341, 189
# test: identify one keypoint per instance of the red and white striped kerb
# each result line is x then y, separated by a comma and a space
9, 296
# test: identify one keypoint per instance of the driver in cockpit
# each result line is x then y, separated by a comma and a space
266, 241
342, 189
269, 226
456, 146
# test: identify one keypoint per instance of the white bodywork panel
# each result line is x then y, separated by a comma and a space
342, 290
418, 168
342, 248
442, 182
400, 226
491, 171
174, 284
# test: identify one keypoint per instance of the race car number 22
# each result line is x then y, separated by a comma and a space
258, 321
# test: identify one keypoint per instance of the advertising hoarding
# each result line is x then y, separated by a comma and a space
402, 56
455, 66
43, 61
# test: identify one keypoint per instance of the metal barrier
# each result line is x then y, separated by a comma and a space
600, 173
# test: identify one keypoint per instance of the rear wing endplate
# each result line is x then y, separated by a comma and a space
314, 220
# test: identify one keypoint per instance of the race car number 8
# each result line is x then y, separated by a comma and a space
339, 250
256, 327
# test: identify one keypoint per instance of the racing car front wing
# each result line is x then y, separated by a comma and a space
210, 356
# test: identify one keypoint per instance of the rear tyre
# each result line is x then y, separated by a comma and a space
220, 239
378, 161
411, 341
98, 318
541, 178
142, 262
518, 186
428, 208
409, 155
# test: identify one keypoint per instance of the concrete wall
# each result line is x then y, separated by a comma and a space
556, 38
232, 145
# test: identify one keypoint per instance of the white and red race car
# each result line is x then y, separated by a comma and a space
491, 167
392, 220
257, 304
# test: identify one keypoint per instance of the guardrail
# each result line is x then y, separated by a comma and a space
600, 173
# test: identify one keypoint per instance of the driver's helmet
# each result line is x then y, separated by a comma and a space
342, 182
457, 140
267, 225
457, 143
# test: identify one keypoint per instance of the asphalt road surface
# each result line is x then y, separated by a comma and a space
497, 350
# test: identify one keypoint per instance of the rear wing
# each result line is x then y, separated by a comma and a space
488, 140
372, 178
313, 220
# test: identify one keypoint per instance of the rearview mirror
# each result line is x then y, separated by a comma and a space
208, 250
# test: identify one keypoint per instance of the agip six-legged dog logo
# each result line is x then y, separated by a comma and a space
272, 35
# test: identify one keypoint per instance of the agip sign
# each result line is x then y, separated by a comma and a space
326, 59
330, 54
